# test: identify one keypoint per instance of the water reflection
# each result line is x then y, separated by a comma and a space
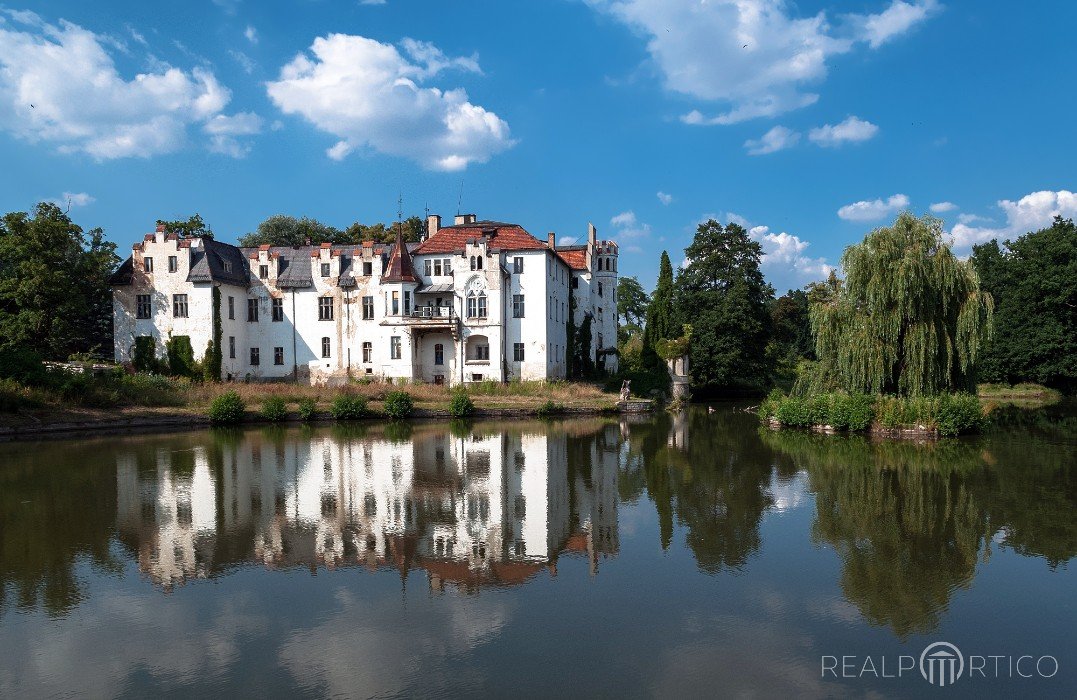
485, 507
898, 529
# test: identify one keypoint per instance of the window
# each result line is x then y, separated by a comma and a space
179, 305
263, 272
396, 303
278, 356
518, 352
518, 265
446, 266
231, 347
368, 308
517, 305
599, 289
255, 359
227, 265
476, 262
438, 267
325, 308
368, 352
325, 269
439, 354
147, 264
482, 352
326, 346
143, 306
575, 282
428, 267
407, 303
231, 308
476, 305
278, 309
173, 263
252, 310
368, 269
394, 347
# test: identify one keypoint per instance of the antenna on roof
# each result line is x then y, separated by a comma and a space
460, 199
400, 208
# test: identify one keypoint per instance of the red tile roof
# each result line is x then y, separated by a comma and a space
576, 258
451, 239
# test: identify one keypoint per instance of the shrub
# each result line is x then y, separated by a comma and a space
859, 411
345, 407
461, 405
398, 404
959, 413
769, 407
307, 408
227, 408
144, 357
549, 409
23, 365
274, 409
181, 357
792, 411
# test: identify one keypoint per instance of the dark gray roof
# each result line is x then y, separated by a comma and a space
218, 262
123, 274
435, 288
294, 268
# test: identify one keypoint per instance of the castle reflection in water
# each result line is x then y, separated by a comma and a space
470, 508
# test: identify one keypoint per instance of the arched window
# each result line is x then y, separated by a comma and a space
476, 304
439, 354
478, 262
472, 262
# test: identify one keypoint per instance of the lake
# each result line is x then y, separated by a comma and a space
690, 555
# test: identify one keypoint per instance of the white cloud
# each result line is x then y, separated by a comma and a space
626, 225
754, 57
74, 199
136, 35
223, 131
971, 218
251, 33
1030, 213
873, 210
367, 94
776, 139
81, 104
371, 2
942, 207
245, 62
894, 21
567, 240
783, 254
852, 130
665, 199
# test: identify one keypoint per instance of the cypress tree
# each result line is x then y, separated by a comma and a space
660, 317
908, 319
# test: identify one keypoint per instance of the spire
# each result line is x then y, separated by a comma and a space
399, 268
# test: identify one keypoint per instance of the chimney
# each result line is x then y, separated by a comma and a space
551, 240
433, 224
463, 219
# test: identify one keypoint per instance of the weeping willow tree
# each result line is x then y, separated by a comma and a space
908, 319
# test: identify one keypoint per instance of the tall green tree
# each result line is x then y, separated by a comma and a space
910, 317
284, 230
54, 292
192, 227
722, 294
632, 301
1033, 281
660, 321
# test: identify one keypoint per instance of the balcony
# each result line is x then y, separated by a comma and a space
430, 317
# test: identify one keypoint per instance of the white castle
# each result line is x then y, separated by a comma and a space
475, 301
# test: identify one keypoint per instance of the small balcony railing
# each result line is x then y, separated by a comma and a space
444, 313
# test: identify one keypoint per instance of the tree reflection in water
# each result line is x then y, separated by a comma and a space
910, 521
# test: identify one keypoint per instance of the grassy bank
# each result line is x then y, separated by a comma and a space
86, 397
1017, 392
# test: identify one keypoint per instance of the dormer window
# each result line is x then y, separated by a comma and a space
173, 263
263, 272
368, 269
325, 269
147, 265
227, 265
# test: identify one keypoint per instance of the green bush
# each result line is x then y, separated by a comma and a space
345, 407
549, 409
398, 404
274, 409
23, 365
858, 411
144, 357
307, 408
181, 357
959, 413
227, 408
461, 405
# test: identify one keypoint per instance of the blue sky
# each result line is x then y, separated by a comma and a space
808, 122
